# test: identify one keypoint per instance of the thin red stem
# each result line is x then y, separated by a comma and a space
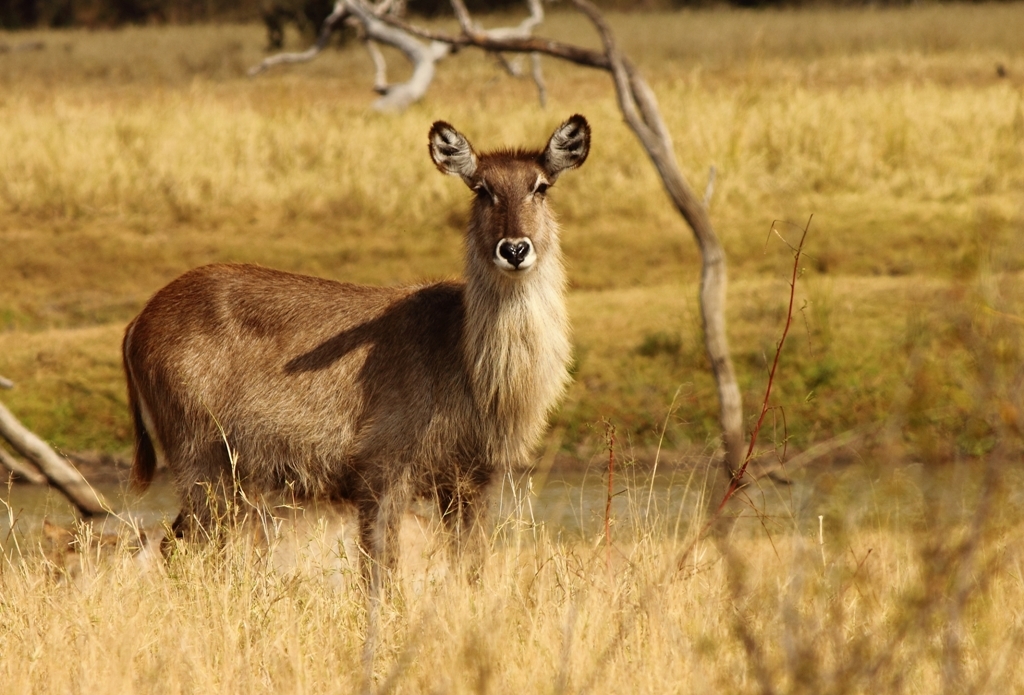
608, 500
737, 477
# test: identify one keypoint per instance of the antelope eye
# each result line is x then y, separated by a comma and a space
483, 192
541, 187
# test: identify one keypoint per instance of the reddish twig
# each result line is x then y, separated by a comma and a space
736, 482
737, 478
610, 431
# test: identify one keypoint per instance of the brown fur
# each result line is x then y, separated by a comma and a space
367, 394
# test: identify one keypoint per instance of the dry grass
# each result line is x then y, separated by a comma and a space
127, 157
920, 602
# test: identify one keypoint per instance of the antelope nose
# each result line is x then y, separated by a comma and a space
514, 253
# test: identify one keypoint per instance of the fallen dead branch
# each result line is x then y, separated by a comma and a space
55, 468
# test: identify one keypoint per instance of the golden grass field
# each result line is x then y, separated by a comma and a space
127, 157
922, 599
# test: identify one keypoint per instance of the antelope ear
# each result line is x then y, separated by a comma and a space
568, 147
452, 152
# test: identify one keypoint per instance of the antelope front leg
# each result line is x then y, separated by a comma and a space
379, 520
204, 512
464, 513
380, 516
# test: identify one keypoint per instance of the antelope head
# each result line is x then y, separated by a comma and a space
511, 224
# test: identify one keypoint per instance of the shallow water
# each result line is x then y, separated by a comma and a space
572, 504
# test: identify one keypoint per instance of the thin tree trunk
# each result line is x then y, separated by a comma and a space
638, 104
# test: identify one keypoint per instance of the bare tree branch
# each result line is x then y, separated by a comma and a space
523, 30
810, 455
462, 14
424, 58
338, 15
513, 67
382, 25
61, 474
380, 67
26, 471
557, 49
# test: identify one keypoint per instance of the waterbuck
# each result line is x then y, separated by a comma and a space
367, 394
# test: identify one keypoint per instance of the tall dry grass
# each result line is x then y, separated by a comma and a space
924, 602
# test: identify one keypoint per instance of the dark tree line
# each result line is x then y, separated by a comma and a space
24, 14
307, 14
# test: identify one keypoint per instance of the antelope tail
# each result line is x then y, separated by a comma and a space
144, 462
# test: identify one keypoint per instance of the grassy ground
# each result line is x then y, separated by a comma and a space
912, 594
128, 157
